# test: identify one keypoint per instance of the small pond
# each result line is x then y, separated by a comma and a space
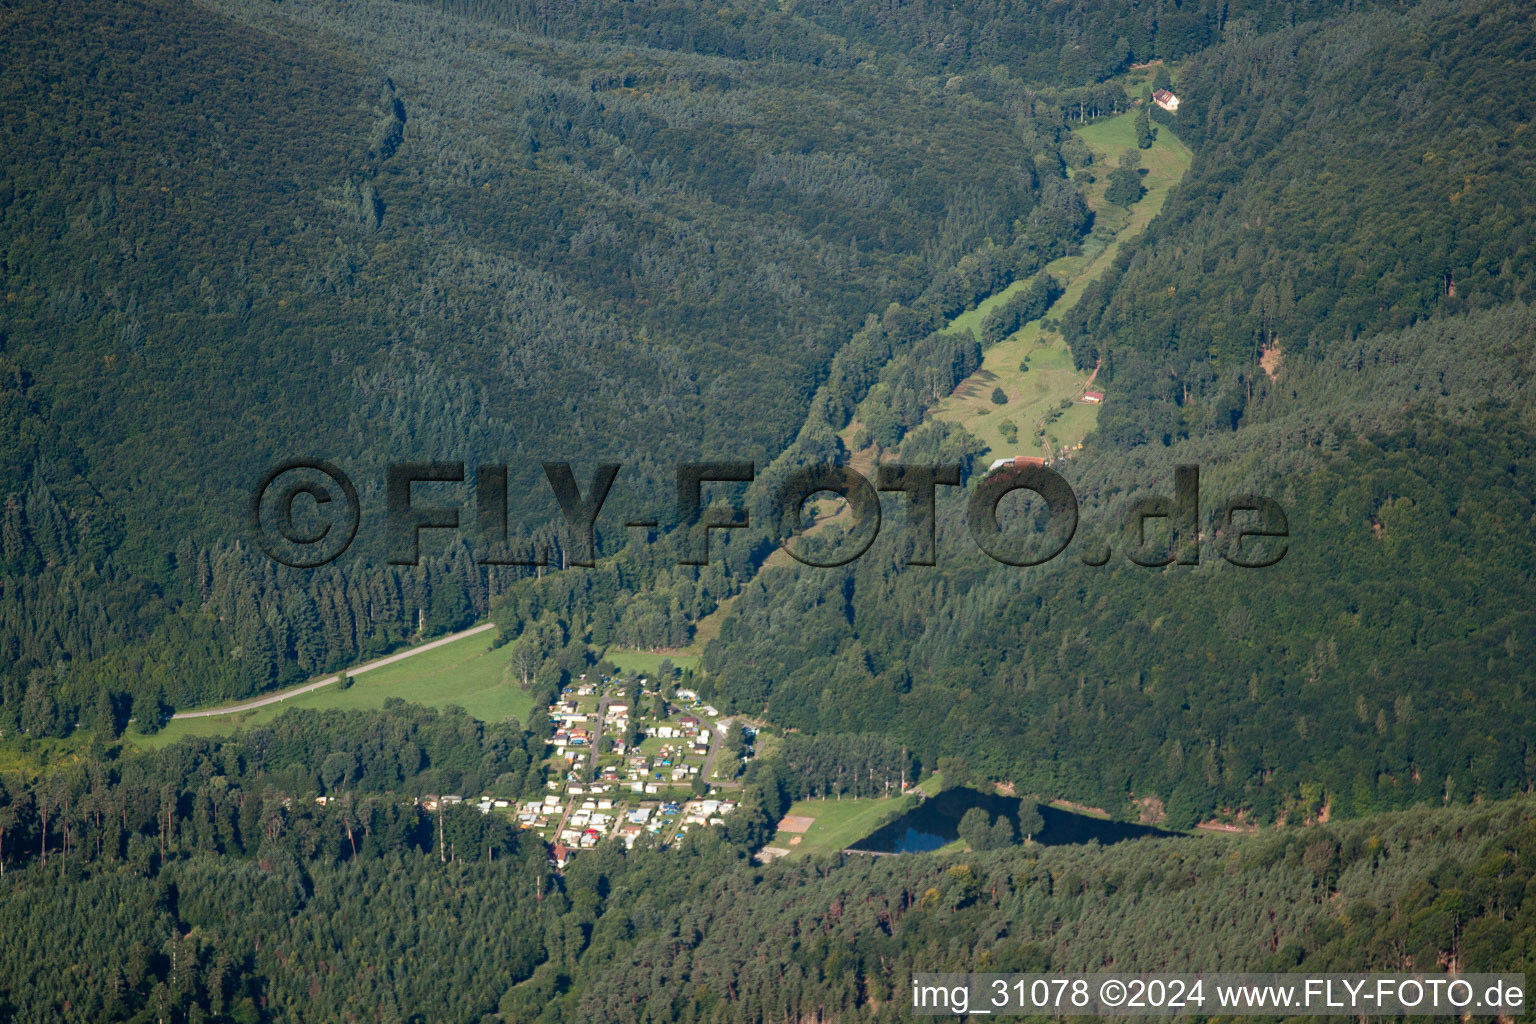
936, 822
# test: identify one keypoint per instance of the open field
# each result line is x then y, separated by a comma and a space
1165, 163
646, 663
1036, 397
467, 672
972, 319
838, 823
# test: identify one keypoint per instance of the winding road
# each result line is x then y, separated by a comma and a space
251, 705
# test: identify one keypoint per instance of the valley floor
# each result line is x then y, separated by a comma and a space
1045, 408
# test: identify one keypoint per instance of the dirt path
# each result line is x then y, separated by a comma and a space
1089, 382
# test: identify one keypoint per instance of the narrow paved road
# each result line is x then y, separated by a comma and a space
359, 670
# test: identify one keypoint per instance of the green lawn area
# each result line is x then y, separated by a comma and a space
1035, 396
651, 745
467, 672
1165, 162
1073, 422
839, 822
646, 663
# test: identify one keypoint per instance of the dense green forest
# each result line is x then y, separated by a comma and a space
581, 235
1068, 44
521, 231
556, 250
1273, 691
1396, 436
1349, 180
205, 883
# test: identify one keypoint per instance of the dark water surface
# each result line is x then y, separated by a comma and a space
936, 822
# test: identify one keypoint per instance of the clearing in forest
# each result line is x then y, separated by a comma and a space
1044, 415
648, 663
468, 672
834, 824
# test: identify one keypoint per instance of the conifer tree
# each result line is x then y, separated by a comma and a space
1145, 133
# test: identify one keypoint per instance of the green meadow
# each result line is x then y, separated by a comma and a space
468, 673
1044, 407
647, 663
839, 823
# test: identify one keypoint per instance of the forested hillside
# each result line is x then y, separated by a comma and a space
548, 247
206, 883
1067, 44
1350, 179
380, 233
786, 231
1400, 454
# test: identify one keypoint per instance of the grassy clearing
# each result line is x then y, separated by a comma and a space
839, 822
707, 628
467, 672
972, 319
1042, 402
1165, 163
933, 785
651, 746
647, 663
